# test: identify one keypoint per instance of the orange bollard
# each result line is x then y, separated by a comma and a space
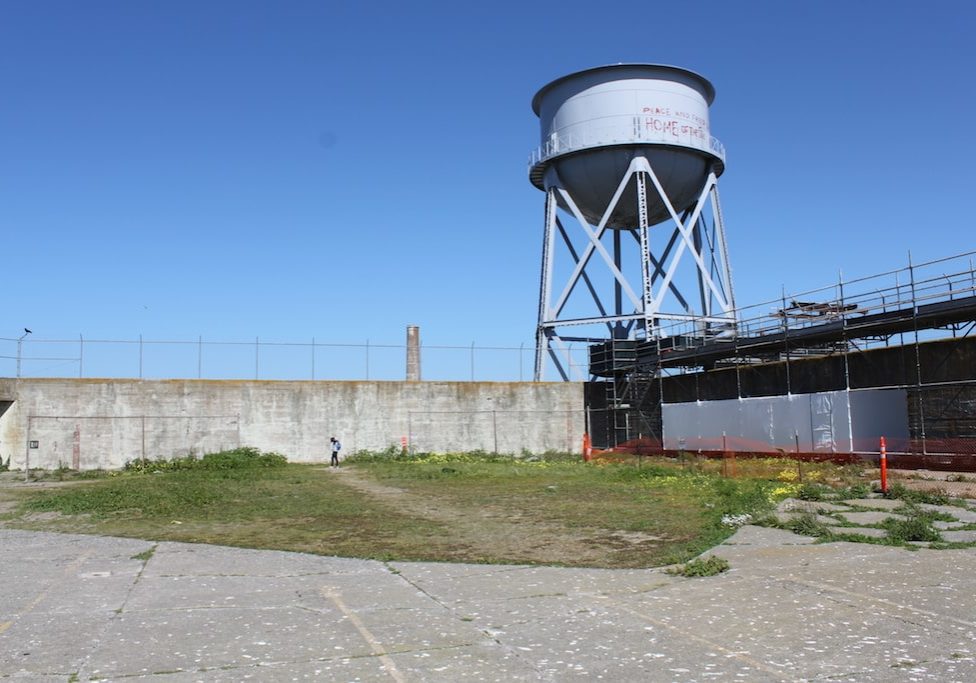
884, 466
587, 447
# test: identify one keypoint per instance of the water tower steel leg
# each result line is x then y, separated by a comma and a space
618, 295
545, 286
723, 247
703, 297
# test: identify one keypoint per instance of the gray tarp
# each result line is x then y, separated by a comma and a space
829, 422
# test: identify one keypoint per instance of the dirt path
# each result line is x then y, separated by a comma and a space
11, 483
501, 534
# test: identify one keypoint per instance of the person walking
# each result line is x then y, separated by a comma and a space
335, 451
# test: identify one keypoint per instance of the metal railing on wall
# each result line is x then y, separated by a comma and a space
202, 358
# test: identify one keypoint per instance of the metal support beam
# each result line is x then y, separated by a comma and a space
665, 292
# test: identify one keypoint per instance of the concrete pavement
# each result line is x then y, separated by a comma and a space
85, 608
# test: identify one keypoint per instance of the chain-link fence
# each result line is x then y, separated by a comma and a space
31, 356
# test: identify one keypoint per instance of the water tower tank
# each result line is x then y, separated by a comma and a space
594, 122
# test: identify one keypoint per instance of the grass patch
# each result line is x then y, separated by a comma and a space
851, 491
236, 459
914, 528
145, 555
708, 566
292, 507
807, 524
813, 492
469, 507
900, 492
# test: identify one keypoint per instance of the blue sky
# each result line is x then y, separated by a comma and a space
338, 170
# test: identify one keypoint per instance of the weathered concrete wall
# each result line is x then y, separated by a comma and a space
92, 423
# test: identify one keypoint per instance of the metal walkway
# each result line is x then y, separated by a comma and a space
935, 295
883, 324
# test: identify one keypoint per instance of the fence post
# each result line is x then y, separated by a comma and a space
786, 341
725, 458
27, 450
884, 466
81, 356
494, 432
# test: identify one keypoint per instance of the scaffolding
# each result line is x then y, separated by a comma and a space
809, 342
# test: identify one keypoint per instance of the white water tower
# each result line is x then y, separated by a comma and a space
630, 170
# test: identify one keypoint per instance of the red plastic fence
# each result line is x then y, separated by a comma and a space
952, 454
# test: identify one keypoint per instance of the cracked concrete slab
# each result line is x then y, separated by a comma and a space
861, 518
959, 513
965, 536
788, 610
947, 526
795, 505
876, 503
860, 531
787, 517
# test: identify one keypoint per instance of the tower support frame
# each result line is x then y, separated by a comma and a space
700, 295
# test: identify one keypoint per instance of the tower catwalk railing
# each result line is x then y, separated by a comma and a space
860, 306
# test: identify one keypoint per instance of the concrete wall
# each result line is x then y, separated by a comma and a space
93, 423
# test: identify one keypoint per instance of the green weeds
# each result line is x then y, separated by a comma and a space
397, 454
708, 566
900, 492
914, 528
145, 555
467, 507
807, 524
813, 492
238, 458
852, 491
